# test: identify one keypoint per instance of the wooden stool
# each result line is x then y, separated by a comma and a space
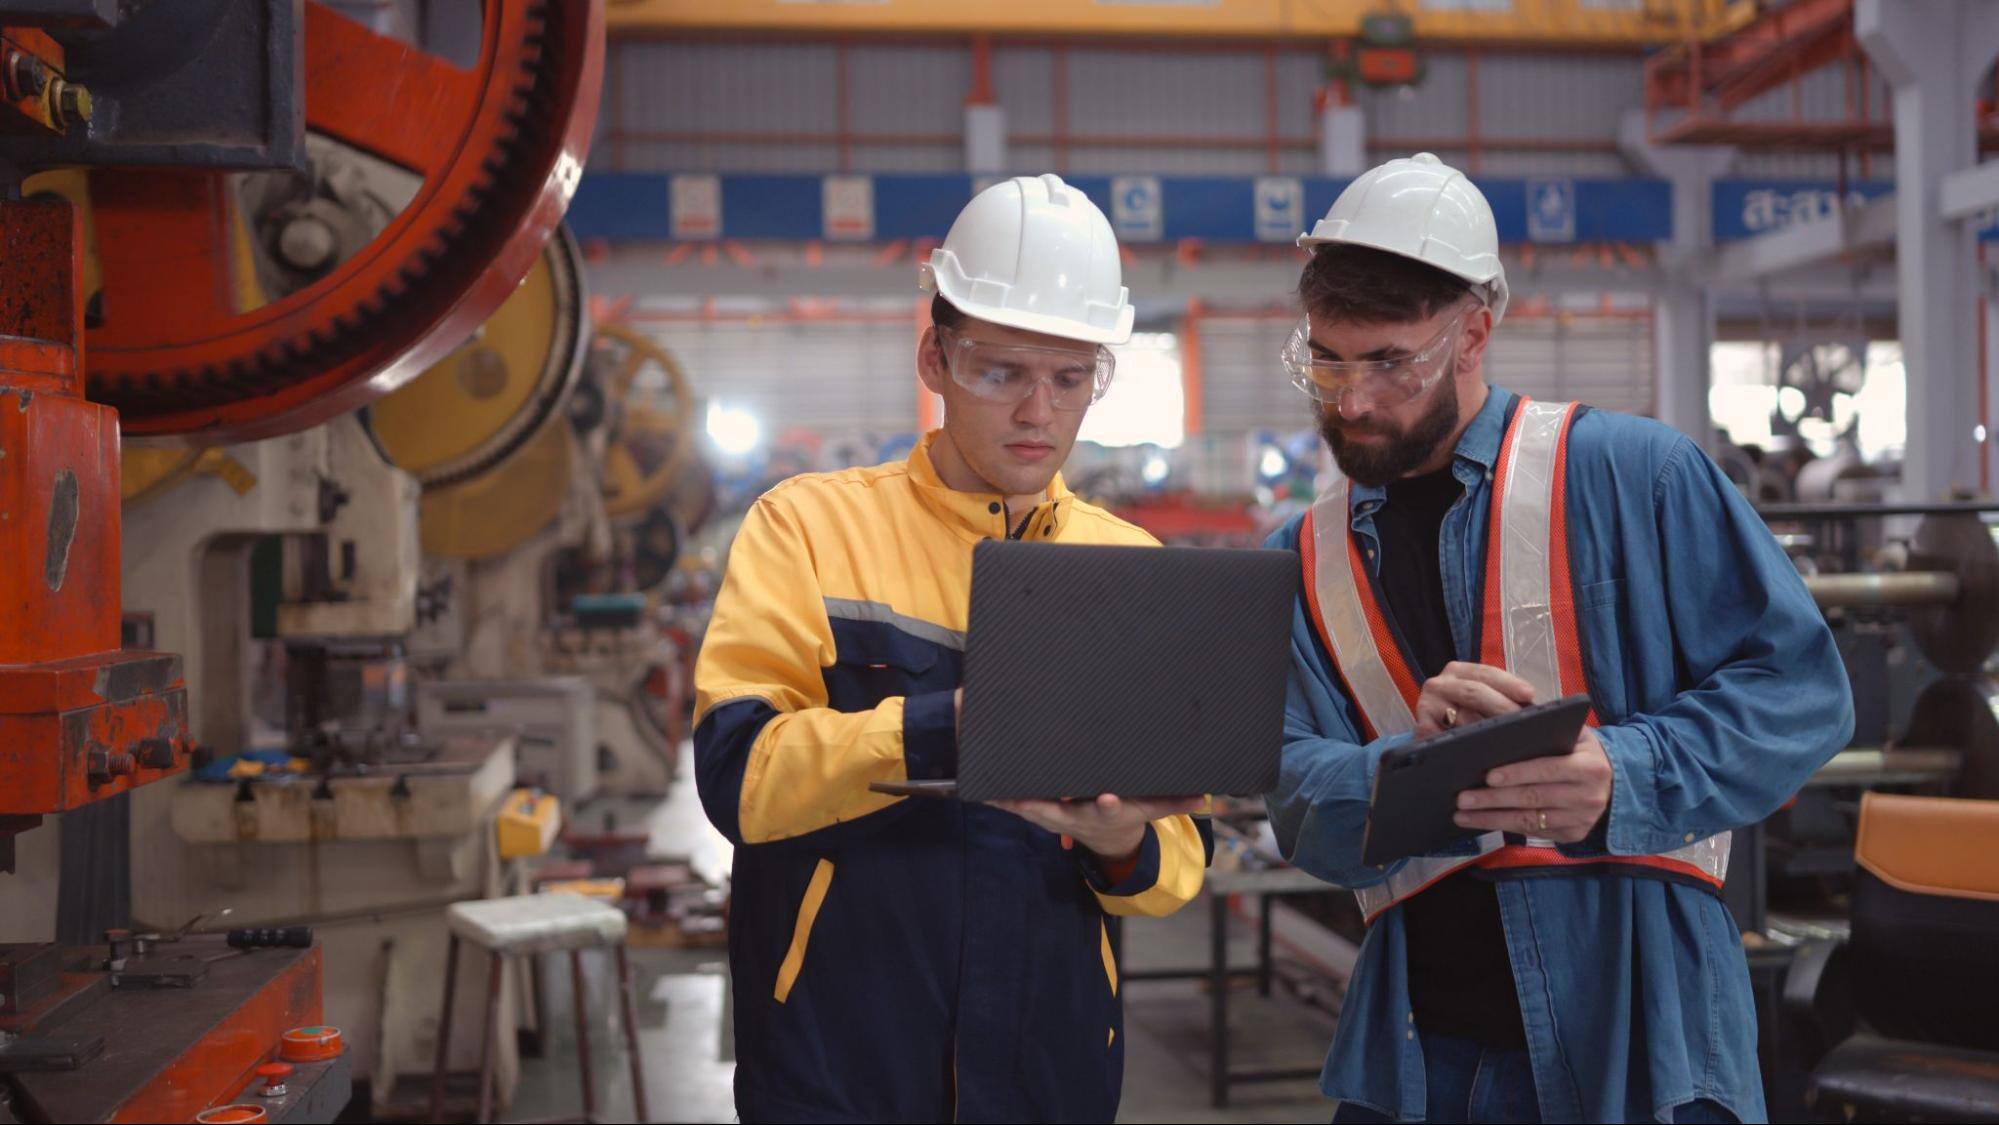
523, 926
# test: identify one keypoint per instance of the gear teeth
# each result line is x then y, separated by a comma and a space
519, 129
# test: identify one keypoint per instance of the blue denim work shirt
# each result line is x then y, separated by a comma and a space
1720, 691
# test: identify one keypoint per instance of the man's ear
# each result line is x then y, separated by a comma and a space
930, 362
1477, 334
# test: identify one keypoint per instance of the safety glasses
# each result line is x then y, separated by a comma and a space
1008, 373
1383, 383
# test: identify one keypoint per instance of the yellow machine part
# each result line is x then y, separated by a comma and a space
651, 445
485, 402
499, 510
528, 823
149, 471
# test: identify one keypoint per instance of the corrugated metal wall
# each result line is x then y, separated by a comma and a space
700, 106
1603, 361
1821, 96
837, 379
669, 101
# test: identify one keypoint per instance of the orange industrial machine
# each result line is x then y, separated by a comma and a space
180, 254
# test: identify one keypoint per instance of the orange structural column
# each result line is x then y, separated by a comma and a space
79, 718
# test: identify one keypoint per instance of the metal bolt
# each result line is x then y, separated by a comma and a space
156, 753
307, 243
103, 765
27, 74
71, 103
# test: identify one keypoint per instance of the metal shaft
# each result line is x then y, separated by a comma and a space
1922, 587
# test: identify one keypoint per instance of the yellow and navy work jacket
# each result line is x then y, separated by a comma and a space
899, 959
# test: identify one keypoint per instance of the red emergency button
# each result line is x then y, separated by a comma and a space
274, 1075
310, 1044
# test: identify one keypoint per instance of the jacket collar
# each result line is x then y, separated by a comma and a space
983, 515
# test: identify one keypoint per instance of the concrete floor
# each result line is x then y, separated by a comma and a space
689, 1068
687, 1044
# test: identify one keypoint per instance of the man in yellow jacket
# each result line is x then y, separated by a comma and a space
913, 959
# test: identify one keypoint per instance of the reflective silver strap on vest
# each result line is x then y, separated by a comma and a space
1528, 626
1345, 621
1707, 857
1527, 615
1526, 587
1417, 873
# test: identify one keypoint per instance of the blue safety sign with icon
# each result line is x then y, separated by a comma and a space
1551, 210
1138, 210
1280, 208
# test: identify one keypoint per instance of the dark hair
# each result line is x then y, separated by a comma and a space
944, 314
1362, 285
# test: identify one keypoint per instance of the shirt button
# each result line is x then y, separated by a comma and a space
1488, 474
1412, 1035
993, 508
1690, 837
1412, 1017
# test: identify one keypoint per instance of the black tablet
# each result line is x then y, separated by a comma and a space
1416, 786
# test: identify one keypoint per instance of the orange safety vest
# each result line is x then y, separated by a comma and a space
1530, 628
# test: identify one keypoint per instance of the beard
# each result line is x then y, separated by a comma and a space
1376, 465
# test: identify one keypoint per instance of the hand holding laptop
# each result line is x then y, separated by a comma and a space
1110, 826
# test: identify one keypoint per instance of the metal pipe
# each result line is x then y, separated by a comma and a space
1868, 511
1921, 587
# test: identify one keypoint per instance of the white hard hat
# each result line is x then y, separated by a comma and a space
1421, 208
1036, 254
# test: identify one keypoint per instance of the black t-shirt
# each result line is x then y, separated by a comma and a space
1460, 978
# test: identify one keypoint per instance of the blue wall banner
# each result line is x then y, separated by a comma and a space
1747, 208
639, 207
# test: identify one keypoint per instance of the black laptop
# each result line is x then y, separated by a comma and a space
1140, 671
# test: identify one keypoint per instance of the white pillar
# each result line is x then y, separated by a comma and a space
1933, 53
1683, 308
1342, 140
985, 139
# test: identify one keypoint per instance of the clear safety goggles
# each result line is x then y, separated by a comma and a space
1383, 383
1008, 373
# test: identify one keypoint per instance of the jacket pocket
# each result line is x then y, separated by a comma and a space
1608, 593
801, 931
1601, 609
875, 662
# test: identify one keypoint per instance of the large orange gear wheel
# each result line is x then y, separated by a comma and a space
187, 347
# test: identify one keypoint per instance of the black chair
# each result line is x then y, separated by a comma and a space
1907, 1010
